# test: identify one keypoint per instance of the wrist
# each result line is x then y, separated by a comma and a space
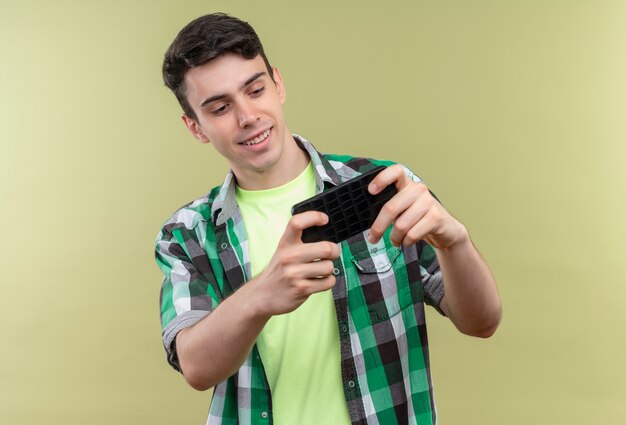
253, 306
460, 239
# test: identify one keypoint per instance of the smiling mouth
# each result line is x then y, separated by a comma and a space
258, 139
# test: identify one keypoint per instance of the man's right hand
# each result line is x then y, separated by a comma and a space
216, 346
297, 269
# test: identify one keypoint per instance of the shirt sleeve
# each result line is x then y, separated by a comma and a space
186, 295
432, 279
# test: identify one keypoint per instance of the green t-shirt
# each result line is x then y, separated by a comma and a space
299, 350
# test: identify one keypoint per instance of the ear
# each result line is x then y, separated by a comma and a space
195, 129
280, 85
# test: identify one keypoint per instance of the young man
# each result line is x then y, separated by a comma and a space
290, 332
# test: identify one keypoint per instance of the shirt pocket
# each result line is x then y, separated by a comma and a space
382, 277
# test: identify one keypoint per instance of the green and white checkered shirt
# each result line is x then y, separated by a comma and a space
379, 298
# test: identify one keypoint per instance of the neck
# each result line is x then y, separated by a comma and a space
290, 164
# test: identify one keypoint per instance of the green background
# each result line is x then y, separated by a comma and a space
513, 112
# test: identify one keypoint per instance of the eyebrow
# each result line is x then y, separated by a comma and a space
246, 83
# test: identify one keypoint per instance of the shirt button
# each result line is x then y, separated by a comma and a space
335, 271
351, 384
344, 329
224, 245
264, 415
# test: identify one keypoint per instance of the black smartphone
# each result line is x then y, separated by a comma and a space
351, 209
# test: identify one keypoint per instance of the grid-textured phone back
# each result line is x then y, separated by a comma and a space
350, 207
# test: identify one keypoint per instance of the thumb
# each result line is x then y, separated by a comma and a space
299, 222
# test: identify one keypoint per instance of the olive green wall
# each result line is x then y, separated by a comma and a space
513, 112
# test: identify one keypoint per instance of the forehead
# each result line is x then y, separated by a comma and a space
221, 76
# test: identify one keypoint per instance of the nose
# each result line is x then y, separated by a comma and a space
246, 115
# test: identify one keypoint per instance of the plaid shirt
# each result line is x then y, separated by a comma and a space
379, 298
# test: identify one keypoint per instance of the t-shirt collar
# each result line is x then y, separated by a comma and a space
225, 205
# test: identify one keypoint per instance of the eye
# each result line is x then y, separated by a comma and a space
220, 110
257, 92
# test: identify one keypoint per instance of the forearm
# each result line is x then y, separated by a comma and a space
471, 299
214, 348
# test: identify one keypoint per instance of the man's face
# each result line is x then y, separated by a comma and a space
239, 110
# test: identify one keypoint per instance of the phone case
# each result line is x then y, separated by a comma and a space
350, 207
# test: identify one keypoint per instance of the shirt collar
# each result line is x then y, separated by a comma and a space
225, 205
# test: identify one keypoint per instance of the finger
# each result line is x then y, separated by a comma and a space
317, 269
394, 174
421, 229
309, 252
407, 221
320, 284
392, 210
323, 250
299, 222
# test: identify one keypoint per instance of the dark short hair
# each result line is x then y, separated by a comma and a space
202, 40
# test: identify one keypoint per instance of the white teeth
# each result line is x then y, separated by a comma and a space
257, 139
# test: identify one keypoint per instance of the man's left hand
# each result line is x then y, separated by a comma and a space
415, 213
